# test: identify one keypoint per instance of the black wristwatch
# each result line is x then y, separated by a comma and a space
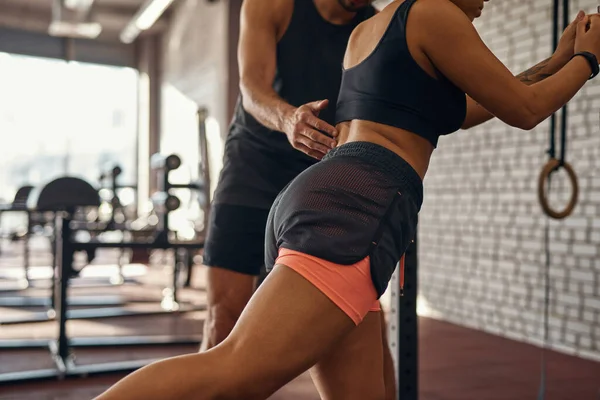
591, 59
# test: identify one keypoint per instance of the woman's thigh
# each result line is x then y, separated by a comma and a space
288, 326
354, 367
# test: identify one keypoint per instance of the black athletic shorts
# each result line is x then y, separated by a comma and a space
236, 238
252, 176
360, 200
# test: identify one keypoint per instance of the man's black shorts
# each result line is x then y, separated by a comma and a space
252, 176
236, 238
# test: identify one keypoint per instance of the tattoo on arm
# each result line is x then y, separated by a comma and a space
536, 73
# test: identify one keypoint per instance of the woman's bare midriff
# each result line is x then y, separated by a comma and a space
414, 149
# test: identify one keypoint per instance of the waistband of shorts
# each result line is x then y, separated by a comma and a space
386, 160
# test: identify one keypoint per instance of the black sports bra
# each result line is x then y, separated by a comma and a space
390, 88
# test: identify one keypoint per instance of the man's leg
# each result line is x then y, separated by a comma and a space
227, 292
234, 253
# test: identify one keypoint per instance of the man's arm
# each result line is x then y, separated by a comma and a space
257, 63
260, 22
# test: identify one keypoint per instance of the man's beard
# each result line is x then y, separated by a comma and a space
348, 6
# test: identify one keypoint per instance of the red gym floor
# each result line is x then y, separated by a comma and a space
455, 363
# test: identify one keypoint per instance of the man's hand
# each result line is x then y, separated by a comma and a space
309, 134
565, 49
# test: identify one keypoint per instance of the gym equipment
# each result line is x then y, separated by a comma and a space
112, 173
164, 201
63, 197
51, 200
403, 326
27, 202
108, 179
546, 176
553, 163
163, 165
48, 194
19, 204
204, 173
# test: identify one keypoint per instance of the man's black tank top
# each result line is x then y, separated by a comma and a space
309, 68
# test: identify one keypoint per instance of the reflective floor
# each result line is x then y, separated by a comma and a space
455, 363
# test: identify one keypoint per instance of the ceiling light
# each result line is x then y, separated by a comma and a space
149, 14
146, 16
78, 4
89, 30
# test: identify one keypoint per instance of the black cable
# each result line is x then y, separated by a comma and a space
555, 9
552, 148
563, 119
542, 389
552, 154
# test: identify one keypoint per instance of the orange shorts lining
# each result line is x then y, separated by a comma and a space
348, 286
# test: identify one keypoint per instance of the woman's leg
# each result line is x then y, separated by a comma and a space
286, 328
354, 368
389, 371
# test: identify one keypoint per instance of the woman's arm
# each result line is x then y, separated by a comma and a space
477, 115
454, 47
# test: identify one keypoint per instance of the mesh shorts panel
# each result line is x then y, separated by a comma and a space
347, 207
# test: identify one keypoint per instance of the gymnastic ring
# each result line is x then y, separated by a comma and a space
552, 165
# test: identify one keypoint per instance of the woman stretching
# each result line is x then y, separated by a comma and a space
414, 72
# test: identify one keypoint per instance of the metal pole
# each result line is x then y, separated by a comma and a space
62, 268
403, 327
26, 254
204, 173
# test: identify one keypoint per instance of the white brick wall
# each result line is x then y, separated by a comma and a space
481, 248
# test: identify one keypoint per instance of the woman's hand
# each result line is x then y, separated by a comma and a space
566, 45
587, 37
